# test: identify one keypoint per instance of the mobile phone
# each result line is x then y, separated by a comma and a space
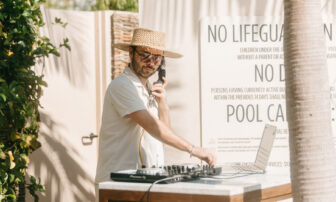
162, 73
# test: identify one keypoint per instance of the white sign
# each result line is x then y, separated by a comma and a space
243, 88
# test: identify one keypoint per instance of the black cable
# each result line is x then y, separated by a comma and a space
242, 173
161, 180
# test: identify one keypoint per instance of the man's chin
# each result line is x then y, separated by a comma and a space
146, 75
148, 69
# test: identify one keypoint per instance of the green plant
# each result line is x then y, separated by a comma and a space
20, 91
122, 5
70, 4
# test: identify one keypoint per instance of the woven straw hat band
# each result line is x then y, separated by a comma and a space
144, 37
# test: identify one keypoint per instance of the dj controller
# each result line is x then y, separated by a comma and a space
166, 174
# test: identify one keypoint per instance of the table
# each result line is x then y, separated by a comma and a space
256, 187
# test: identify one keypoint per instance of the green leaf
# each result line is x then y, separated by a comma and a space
11, 191
2, 155
40, 188
33, 179
43, 83
5, 176
3, 96
12, 196
58, 20
23, 70
26, 13
11, 178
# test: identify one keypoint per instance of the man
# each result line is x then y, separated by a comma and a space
135, 118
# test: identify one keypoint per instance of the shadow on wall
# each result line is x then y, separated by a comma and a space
54, 162
60, 162
71, 63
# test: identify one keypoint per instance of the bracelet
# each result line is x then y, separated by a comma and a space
191, 150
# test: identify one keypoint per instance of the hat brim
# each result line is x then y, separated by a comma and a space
125, 47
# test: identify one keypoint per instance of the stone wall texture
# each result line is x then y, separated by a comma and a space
122, 26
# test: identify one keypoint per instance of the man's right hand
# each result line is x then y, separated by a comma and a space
205, 155
162, 132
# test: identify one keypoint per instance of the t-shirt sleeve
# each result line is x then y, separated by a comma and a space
125, 98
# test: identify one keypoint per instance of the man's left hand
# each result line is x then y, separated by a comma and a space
158, 90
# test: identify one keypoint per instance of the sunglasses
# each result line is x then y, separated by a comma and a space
146, 57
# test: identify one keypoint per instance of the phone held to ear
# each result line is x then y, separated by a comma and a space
162, 73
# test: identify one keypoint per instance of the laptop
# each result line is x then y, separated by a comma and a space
263, 154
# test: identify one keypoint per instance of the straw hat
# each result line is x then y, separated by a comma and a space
148, 38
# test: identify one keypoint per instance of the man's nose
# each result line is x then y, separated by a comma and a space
151, 61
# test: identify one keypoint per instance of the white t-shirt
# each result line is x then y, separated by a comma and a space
119, 136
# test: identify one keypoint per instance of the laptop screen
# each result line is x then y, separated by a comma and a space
265, 147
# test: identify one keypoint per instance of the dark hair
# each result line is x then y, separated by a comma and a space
133, 48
